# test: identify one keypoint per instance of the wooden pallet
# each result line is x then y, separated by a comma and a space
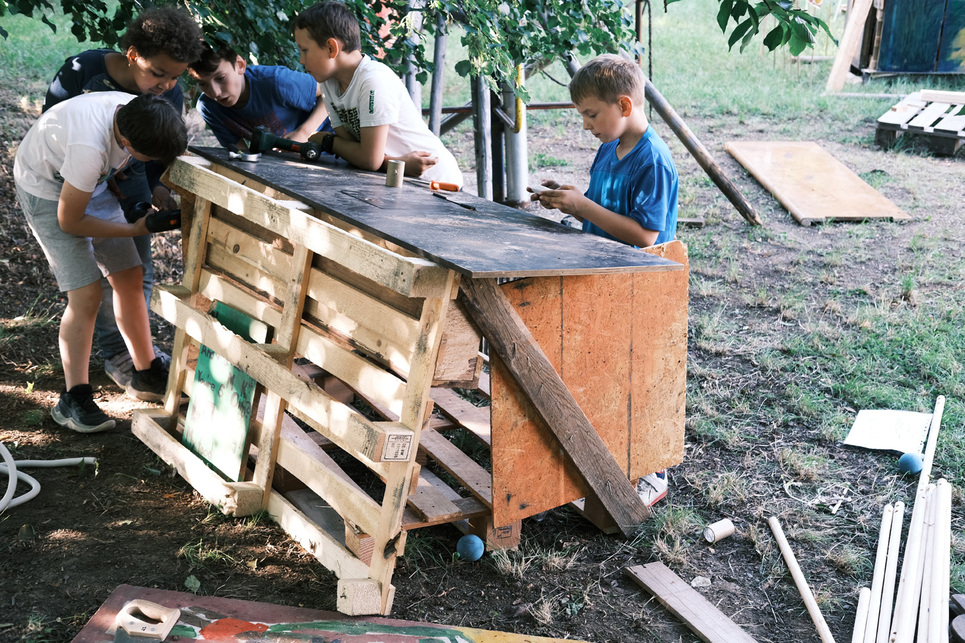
357, 317
939, 117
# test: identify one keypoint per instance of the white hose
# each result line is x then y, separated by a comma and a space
9, 467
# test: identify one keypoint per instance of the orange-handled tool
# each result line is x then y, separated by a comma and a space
436, 185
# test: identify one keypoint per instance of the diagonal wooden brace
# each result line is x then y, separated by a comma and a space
529, 366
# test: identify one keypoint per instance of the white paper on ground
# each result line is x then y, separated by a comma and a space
899, 431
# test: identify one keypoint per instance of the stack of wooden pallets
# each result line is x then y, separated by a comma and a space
936, 115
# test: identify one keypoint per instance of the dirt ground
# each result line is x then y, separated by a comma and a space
129, 520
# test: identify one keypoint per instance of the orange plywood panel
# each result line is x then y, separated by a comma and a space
619, 343
813, 185
659, 366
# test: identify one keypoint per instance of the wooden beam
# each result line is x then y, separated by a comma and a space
534, 373
697, 613
848, 45
701, 155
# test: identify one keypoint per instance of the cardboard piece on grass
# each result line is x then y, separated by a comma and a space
898, 431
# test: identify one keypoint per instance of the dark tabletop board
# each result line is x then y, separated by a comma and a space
485, 239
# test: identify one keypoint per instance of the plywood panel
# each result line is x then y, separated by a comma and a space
660, 305
910, 35
813, 185
473, 236
620, 346
951, 52
528, 472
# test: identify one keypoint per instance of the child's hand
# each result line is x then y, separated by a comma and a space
163, 199
565, 198
417, 162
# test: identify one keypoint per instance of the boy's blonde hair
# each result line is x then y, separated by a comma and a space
608, 77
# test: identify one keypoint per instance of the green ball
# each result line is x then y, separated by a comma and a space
470, 547
910, 463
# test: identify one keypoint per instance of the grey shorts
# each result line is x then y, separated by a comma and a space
79, 261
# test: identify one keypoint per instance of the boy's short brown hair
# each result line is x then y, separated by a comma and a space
608, 77
154, 128
212, 57
331, 19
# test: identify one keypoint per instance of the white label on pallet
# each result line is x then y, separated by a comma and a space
397, 447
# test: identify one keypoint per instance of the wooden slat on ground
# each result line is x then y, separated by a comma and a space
810, 183
938, 117
697, 613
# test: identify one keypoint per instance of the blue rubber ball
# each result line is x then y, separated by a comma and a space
910, 463
470, 547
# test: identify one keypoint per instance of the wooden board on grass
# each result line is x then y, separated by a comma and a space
211, 618
697, 613
810, 183
216, 423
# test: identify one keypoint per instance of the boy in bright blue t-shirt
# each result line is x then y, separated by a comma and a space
632, 195
238, 97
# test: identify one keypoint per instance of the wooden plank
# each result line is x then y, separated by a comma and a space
467, 471
848, 46
697, 613
927, 117
903, 111
340, 423
409, 276
263, 255
952, 124
474, 419
233, 498
810, 183
515, 345
284, 623
935, 95
445, 233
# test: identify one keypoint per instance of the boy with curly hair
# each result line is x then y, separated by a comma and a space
155, 50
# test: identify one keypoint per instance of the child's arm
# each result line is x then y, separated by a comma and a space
73, 219
416, 162
368, 153
315, 119
568, 200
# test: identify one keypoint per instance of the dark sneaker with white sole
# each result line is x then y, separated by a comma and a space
120, 367
76, 410
150, 384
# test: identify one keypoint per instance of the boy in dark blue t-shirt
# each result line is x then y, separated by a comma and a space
238, 97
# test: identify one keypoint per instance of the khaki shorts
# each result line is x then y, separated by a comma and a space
79, 261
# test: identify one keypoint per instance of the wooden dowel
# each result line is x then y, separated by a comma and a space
909, 585
861, 615
800, 581
936, 422
700, 153
941, 543
878, 578
925, 564
891, 572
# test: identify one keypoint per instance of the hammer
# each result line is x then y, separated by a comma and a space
262, 140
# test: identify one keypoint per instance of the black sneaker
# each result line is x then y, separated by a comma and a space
77, 411
151, 383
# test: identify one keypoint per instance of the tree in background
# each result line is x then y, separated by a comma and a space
498, 34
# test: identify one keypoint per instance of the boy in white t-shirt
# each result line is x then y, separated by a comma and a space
69, 151
374, 118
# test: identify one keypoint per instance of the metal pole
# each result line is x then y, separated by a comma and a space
517, 150
481, 118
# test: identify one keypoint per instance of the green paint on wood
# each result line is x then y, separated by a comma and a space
216, 424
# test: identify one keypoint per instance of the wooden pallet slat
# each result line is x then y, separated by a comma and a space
463, 468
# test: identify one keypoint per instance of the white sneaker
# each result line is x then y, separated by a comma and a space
652, 488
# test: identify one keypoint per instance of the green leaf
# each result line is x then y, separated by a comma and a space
739, 32
463, 68
723, 16
775, 38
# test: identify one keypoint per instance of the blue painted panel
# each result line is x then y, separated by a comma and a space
910, 35
951, 54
